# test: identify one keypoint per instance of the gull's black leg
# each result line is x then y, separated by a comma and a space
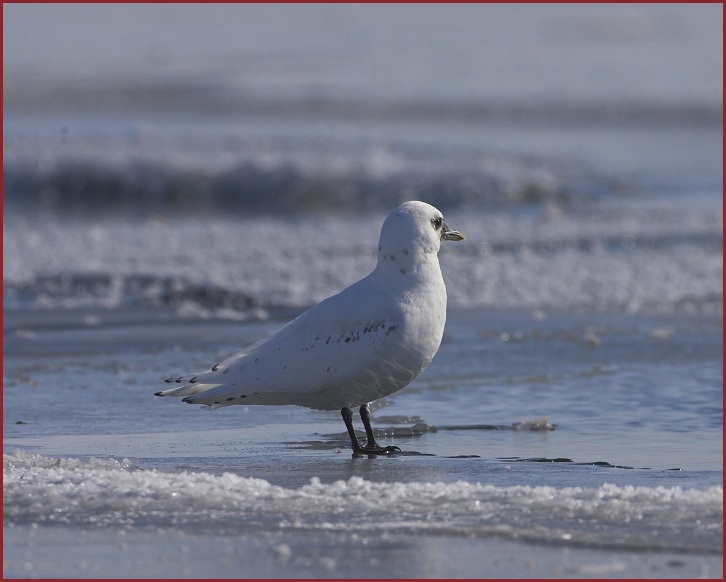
365, 416
347, 415
372, 446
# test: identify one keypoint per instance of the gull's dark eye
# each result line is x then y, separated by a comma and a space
437, 222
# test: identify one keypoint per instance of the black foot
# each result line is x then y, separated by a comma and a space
376, 450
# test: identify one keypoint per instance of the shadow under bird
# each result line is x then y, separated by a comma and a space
368, 341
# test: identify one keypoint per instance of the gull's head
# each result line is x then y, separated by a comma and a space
412, 231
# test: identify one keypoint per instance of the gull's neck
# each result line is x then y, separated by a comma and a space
408, 260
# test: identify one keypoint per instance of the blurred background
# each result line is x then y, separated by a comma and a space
558, 129
362, 56
329, 107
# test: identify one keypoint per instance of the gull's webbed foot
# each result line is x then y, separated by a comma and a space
376, 449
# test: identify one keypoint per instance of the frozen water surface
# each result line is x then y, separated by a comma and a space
527, 432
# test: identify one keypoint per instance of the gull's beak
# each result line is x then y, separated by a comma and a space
448, 234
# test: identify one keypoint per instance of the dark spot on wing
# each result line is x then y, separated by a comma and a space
390, 329
193, 380
403, 271
215, 368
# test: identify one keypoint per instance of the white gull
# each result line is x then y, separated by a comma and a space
368, 341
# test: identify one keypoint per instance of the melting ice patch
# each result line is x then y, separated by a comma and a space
108, 492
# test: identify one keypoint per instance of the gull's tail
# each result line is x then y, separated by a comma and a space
189, 387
